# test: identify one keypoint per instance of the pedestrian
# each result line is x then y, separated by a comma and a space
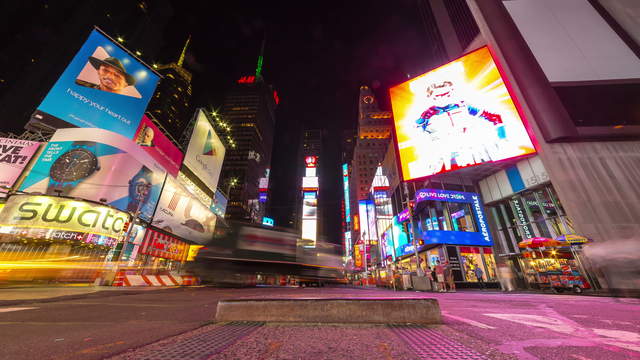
439, 277
448, 276
479, 275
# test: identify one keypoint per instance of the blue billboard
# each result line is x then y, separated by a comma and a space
473, 230
219, 204
104, 86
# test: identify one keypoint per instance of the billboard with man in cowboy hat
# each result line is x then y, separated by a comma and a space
104, 86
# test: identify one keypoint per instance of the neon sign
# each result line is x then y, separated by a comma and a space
247, 80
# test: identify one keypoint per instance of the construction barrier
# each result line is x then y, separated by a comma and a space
121, 279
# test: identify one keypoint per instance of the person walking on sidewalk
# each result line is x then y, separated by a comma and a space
440, 287
479, 275
448, 276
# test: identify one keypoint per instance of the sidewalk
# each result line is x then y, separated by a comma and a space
12, 295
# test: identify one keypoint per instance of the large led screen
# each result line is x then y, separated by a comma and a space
98, 165
456, 116
103, 87
205, 152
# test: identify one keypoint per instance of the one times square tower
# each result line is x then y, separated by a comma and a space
249, 109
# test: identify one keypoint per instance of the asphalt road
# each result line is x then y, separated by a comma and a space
490, 325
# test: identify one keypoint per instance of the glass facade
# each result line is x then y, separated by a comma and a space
529, 214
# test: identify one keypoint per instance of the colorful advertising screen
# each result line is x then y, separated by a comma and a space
205, 152
156, 143
54, 218
458, 115
98, 165
14, 156
182, 214
347, 200
400, 238
366, 209
103, 87
219, 204
465, 222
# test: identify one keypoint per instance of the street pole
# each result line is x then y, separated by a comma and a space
412, 232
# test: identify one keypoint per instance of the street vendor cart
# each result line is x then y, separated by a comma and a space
552, 264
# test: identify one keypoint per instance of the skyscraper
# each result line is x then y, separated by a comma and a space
170, 105
374, 135
248, 109
310, 149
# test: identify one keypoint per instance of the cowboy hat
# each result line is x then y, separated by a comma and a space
114, 63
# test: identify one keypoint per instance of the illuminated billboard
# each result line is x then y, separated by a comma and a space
205, 152
458, 115
309, 183
98, 165
182, 214
103, 87
14, 156
55, 218
366, 209
158, 145
345, 185
219, 204
309, 230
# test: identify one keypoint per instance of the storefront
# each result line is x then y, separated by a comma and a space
451, 227
522, 204
52, 238
161, 253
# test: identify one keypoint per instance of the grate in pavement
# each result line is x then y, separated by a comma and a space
430, 344
204, 345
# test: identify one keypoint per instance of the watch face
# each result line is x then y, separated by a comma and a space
73, 165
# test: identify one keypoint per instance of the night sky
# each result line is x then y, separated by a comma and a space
317, 55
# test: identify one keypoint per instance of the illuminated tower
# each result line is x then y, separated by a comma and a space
248, 109
170, 105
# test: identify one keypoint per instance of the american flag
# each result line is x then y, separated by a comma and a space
175, 199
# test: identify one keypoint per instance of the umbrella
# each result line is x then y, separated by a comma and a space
572, 239
539, 242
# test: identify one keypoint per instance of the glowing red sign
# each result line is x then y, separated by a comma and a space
275, 97
311, 161
247, 80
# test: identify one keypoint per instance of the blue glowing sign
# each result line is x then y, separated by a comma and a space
262, 197
267, 221
436, 236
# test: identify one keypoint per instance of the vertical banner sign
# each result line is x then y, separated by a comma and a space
345, 185
458, 115
205, 152
103, 87
14, 156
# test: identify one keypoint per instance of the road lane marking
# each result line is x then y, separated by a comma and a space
468, 321
622, 339
536, 320
16, 309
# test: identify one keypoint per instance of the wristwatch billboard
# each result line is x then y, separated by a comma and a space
72, 167
140, 189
